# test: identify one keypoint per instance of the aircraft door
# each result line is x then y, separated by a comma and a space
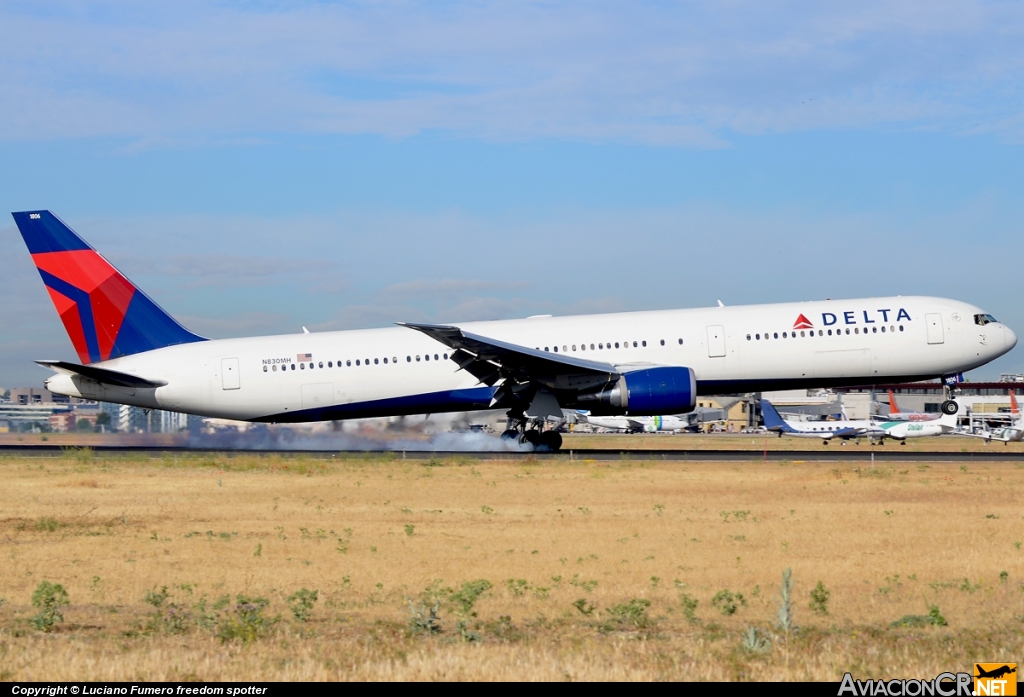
933, 321
229, 374
716, 341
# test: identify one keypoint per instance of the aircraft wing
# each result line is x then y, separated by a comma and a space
102, 375
491, 360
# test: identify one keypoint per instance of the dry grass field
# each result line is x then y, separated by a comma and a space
192, 567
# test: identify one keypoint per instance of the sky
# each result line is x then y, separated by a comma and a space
257, 167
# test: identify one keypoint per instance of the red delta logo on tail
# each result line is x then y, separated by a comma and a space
91, 298
105, 315
802, 323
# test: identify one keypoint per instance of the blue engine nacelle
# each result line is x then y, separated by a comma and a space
649, 392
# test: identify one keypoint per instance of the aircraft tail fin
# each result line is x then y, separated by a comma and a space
893, 408
1014, 409
773, 421
106, 316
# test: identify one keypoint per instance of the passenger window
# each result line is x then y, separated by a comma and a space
446, 356
847, 331
302, 366
874, 330
394, 359
357, 361
321, 364
662, 342
680, 342
408, 359
600, 346
376, 361
616, 344
574, 347
644, 344
385, 360
426, 357
274, 367
756, 336
634, 344
892, 328
556, 349
417, 359
348, 363
264, 369
783, 335
802, 334
901, 327
330, 364
293, 366
748, 337
435, 356
591, 347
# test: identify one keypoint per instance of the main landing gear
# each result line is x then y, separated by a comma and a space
528, 431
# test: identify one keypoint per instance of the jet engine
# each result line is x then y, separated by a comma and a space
648, 392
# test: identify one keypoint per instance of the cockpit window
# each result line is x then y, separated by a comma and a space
982, 320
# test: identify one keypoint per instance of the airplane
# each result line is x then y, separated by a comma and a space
995, 672
901, 430
895, 414
847, 429
130, 351
1013, 433
843, 429
636, 424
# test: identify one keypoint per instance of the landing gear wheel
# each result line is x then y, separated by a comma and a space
510, 434
950, 407
531, 436
550, 441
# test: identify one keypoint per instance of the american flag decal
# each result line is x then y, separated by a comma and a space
303, 357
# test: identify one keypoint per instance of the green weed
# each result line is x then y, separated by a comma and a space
727, 602
934, 618
48, 598
301, 603
819, 599
632, 614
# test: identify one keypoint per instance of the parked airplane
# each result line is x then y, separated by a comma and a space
846, 429
641, 363
1010, 434
901, 430
636, 424
895, 414
825, 430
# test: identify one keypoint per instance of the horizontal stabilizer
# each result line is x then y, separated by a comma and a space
101, 375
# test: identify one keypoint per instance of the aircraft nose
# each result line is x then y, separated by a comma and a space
1009, 337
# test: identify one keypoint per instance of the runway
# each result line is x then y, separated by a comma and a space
721, 455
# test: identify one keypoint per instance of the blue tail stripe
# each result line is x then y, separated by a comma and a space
44, 232
147, 327
772, 418
81, 300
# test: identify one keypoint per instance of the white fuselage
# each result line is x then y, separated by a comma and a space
308, 377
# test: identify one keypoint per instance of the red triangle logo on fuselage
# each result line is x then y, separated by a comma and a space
802, 323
